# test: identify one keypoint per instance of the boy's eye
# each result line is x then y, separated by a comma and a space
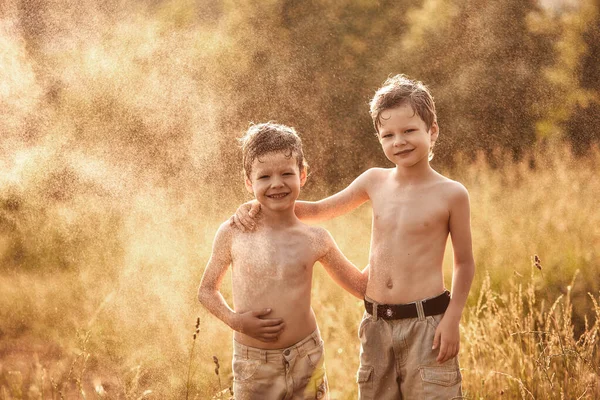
410, 130
289, 173
387, 135
263, 177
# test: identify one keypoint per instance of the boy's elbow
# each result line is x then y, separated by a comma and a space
203, 295
363, 289
359, 288
466, 267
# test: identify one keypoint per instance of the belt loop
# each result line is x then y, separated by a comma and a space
375, 306
420, 312
245, 352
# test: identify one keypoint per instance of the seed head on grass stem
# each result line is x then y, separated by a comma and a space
189, 374
217, 366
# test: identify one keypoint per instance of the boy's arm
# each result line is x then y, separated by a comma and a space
462, 274
343, 272
313, 211
340, 203
248, 323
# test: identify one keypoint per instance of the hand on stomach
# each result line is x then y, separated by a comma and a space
298, 323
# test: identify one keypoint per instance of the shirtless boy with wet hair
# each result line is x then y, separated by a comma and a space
410, 330
280, 356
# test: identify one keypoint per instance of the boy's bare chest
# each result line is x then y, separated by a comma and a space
274, 256
410, 212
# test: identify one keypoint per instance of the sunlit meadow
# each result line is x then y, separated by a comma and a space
119, 322
116, 169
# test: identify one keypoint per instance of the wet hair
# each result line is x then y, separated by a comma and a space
399, 90
270, 137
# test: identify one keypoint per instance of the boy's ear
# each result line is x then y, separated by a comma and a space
248, 184
434, 131
303, 176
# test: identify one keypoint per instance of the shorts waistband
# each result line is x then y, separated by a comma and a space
300, 348
418, 309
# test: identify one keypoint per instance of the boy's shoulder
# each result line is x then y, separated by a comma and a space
374, 176
317, 235
321, 240
452, 184
226, 231
318, 231
312, 231
451, 188
378, 172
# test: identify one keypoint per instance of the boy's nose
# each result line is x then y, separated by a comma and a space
277, 182
399, 141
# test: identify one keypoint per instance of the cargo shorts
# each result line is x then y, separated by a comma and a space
397, 361
293, 373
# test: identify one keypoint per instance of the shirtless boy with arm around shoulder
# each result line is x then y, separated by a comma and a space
410, 330
272, 270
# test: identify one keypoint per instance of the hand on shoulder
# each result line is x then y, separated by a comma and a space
245, 216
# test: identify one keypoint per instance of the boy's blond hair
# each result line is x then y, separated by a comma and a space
270, 137
398, 90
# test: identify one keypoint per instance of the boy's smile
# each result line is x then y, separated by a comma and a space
277, 195
403, 152
275, 180
404, 136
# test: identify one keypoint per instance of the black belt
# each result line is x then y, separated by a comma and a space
434, 306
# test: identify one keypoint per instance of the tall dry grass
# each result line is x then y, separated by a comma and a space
125, 280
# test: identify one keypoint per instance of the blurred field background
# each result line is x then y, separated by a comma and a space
118, 161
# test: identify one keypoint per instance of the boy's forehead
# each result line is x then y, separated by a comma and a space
403, 114
274, 160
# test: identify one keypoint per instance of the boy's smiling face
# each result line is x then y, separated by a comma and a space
404, 136
275, 180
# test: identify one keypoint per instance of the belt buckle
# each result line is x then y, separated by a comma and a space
389, 312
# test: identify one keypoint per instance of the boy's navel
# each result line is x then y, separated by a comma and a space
390, 283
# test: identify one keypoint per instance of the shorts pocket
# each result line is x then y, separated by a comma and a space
434, 320
244, 369
441, 382
315, 356
364, 378
365, 320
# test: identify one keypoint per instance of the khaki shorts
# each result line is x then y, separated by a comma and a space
397, 362
297, 372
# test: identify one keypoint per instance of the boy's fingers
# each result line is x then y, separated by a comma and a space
271, 322
243, 219
436, 340
442, 356
447, 354
236, 222
260, 313
248, 222
245, 208
451, 353
233, 221
254, 209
